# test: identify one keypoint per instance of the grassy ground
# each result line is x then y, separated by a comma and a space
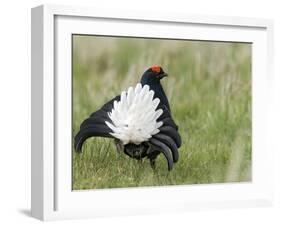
209, 89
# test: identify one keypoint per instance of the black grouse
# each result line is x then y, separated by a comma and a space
139, 120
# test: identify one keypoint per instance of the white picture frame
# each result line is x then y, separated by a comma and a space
52, 197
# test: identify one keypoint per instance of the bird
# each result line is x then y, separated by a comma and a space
139, 120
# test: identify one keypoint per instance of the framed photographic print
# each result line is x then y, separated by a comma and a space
134, 112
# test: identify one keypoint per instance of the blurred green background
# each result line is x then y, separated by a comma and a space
209, 89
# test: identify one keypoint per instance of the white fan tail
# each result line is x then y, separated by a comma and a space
134, 117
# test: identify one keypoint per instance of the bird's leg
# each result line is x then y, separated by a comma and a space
119, 145
152, 163
152, 154
152, 160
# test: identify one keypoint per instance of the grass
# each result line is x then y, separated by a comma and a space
209, 89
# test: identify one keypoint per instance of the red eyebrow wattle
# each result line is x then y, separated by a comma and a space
156, 69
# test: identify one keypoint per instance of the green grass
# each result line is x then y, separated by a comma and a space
209, 89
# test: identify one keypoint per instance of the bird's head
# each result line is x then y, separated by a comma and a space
153, 75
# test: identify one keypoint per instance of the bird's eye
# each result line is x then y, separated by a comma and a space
156, 69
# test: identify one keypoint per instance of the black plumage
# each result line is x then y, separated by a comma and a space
149, 78
166, 141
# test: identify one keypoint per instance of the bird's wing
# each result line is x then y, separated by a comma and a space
168, 139
95, 126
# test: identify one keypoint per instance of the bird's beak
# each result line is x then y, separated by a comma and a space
163, 75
